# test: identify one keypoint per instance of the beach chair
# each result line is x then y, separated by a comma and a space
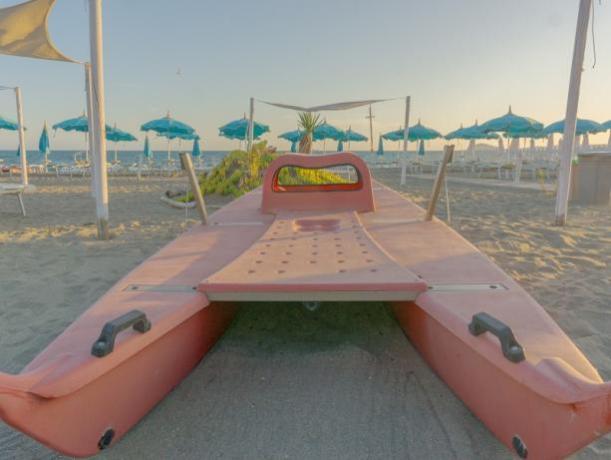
16, 190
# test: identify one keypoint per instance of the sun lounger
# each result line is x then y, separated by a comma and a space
14, 189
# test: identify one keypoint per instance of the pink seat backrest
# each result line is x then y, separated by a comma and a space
354, 196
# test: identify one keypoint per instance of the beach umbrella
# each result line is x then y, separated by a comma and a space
583, 126
340, 146
380, 151
607, 125
78, 124
169, 128
326, 131
8, 125
238, 129
147, 148
293, 137
473, 132
418, 132
44, 146
196, 151
421, 151
511, 122
116, 135
351, 136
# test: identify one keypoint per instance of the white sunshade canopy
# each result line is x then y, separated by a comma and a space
24, 31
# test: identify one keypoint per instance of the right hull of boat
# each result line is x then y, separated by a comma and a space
529, 423
95, 416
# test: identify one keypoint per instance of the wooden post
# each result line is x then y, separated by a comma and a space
371, 117
570, 119
251, 124
187, 164
23, 156
99, 117
408, 101
448, 151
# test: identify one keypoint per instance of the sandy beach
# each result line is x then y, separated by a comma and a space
286, 383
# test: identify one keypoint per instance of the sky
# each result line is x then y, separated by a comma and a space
202, 60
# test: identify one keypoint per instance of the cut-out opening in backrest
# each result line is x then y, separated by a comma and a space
291, 178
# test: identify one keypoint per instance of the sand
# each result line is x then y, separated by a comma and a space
284, 382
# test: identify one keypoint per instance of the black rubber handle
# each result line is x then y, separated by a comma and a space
483, 322
106, 342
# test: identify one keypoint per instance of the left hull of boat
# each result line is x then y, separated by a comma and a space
97, 415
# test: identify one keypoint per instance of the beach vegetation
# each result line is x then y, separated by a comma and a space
307, 123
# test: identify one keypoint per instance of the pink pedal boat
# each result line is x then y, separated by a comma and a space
351, 241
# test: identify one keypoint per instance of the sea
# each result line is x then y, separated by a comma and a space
209, 158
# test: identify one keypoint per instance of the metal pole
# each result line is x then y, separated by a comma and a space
570, 120
251, 122
99, 116
185, 159
90, 136
22, 150
408, 101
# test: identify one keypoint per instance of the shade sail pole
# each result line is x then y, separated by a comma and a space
370, 128
251, 122
408, 101
99, 116
22, 150
90, 136
570, 120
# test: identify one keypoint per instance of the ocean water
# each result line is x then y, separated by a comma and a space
209, 158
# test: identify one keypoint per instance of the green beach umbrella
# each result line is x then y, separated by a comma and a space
340, 146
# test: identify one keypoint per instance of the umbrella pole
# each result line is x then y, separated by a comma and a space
22, 151
405, 138
570, 120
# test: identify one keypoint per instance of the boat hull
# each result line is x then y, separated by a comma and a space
97, 415
528, 423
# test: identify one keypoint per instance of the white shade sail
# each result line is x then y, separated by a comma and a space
322, 108
24, 31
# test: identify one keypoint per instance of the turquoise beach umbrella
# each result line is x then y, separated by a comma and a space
418, 132
80, 124
511, 123
117, 135
421, 151
327, 131
167, 126
380, 151
238, 129
291, 136
147, 148
8, 125
340, 146
196, 152
44, 146
607, 124
583, 126
471, 132
351, 136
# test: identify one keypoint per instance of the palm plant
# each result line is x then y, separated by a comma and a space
308, 122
